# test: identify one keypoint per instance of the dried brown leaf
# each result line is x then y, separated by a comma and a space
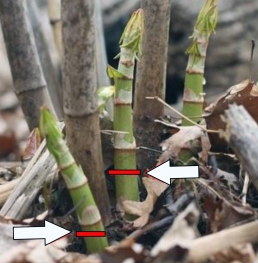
223, 214
192, 138
244, 93
143, 209
6, 230
33, 143
6, 238
35, 251
181, 233
157, 186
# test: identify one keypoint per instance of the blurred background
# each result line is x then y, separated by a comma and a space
228, 59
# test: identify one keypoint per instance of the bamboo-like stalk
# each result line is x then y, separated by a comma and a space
28, 79
80, 98
77, 183
150, 79
124, 144
193, 91
54, 13
46, 48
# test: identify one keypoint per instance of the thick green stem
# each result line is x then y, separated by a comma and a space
193, 92
124, 144
125, 147
125, 158
193, 103
194, 78
87, 212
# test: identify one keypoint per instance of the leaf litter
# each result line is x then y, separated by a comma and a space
170, 220
188, 221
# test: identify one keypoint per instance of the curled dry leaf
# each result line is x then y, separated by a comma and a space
6, 230
143, 209
192, 138
35, 251
32, 144
181, 233
223, 214
244, 93
157, 186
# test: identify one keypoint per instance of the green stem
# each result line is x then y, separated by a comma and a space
77, 183
124, 144
194, 78
193, 103
193, 92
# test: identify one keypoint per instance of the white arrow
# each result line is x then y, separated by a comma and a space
164, 172
50, 232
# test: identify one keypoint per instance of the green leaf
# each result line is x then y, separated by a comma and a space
207, 18
132, 35
48, 125
114, 73
104, 94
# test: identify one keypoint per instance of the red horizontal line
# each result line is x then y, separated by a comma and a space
124, 172
90, 233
